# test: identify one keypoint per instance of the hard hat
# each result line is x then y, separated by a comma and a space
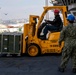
56, 11
70, 17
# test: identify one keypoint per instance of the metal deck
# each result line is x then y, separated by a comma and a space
42, 65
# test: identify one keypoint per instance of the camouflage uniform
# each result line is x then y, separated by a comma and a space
68, 35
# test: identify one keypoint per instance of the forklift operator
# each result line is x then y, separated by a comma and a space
54, 25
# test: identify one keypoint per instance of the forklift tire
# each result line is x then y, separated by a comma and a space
33, 50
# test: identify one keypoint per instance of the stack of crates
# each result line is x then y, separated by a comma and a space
10, 43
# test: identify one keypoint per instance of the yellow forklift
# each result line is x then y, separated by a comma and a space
32, 45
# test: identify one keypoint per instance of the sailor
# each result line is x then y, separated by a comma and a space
68, 35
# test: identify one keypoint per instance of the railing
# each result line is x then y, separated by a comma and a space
11, 29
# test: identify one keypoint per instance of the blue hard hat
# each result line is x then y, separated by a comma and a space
70, 17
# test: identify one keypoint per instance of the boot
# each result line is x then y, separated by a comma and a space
74, 70
61, 69
43, 37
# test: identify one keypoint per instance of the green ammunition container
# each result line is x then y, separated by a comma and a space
11, 43
15, 39
5, 40
17, 43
